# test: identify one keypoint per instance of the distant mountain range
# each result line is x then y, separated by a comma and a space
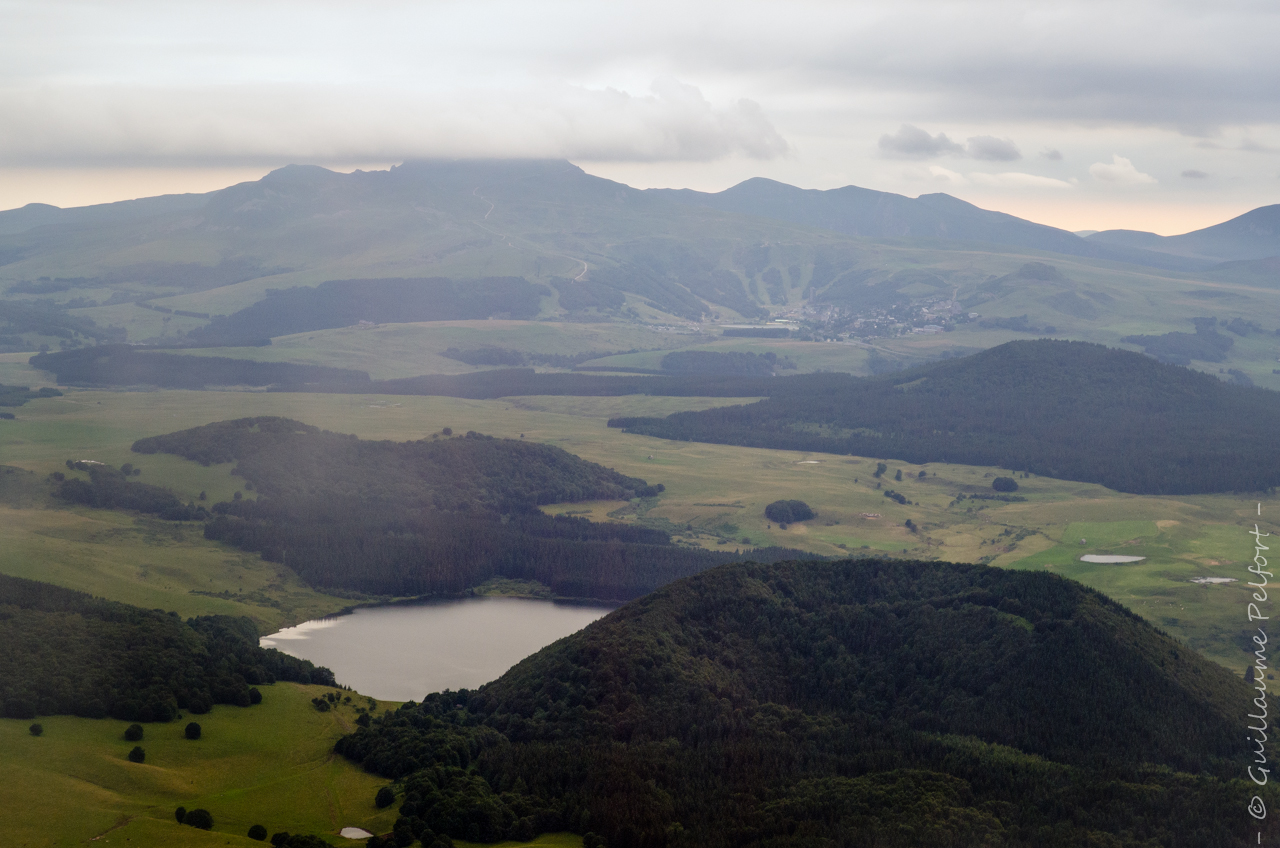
1253, 235
878, 214
850, 210
594, 249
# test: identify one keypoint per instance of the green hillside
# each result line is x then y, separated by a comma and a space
427, 517
871, 702
66, 653
1059, 409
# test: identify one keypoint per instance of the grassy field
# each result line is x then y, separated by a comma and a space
272, 764
389, 351
715, 497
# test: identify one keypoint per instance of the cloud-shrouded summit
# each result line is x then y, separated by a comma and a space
700, 94
234, 124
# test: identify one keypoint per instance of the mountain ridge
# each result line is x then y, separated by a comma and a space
858, 211
1252, 236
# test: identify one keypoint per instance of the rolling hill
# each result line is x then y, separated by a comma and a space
1253, 235
1070, 410
862, 702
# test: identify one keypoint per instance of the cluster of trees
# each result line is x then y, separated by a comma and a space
19, 395
109, 488
1205, 344
785, 512
1019, 324
46, 318
721, 364
342, 303
872, 702
66, 653
198, 818
433, 516
1004, 484
125, 365
1070, 410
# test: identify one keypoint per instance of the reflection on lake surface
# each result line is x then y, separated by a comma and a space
402, 653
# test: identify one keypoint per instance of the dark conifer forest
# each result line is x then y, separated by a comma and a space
1070, 410
851, 703
65, 652
125, 365
434, 516
342, 303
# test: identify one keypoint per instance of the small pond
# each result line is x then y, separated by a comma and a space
404, 652
1109, 558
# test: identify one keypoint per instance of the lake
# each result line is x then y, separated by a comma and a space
403, 652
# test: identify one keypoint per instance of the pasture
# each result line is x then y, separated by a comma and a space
272, 764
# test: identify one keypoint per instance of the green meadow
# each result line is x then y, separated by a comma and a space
388, 351
272, 764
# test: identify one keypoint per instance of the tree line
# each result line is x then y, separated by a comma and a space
1070, 410
342, 303
127, 365
64, 652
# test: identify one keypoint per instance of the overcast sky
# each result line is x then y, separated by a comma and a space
1160, 116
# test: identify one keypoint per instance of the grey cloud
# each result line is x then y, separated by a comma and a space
975, 60
273, 124
1193, 174
911, 142
1052, 155
992, 149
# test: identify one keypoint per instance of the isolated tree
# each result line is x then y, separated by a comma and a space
897, 475
385, 798
258, 832
202, 819
785, 512
180, 814
1004, 484
133, 733
137, 755
881, 468
36, 729
193, 731
923, 473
